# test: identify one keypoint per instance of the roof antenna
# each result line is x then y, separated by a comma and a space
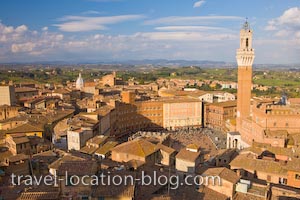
246, 25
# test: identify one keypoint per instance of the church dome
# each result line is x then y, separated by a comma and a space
79, 82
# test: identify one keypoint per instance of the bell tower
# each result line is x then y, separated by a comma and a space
245, 57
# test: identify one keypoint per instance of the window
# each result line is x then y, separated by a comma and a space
297, 176
247, 42
101, 198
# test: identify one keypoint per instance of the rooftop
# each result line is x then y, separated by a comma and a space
138, 147
106, 148
184, 154
78, 168
165, 148
223, 173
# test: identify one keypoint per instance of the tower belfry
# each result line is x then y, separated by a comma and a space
245, 57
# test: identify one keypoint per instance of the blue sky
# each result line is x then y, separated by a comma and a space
102, 30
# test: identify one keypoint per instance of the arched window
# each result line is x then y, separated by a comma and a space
247, 43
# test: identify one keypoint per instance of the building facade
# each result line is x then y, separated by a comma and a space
7, 95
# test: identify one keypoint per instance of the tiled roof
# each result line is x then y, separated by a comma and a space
225, 104
24, 128
187, 155
25, 89
209, 194
65, 158
18, 157
39, 196
223, 173
248, 162
243, 196
106, 148
20, 139
114, 191
78, 168
98, 139
138, 147
88, 149
193, 146
165, 148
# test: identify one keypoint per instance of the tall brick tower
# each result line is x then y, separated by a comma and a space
244, 57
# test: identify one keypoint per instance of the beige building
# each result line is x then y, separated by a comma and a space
228, 180
182, 113
25, 93
187, 161
77, 138
138, 149
7, 95
167, 155
7, 112
18, 143
109, 80
266, 165
217, 114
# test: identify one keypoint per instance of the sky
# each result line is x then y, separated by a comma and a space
121, 30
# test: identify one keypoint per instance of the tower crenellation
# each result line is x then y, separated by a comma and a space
245, 54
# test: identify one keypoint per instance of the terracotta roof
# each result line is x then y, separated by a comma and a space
243, 196
39, 196
18, 157
98, 139
25, 89
19, 139
277, 133
165, 148
187, 155
209, 194
106, 148
88, 149
65, 158
193, 146
248, 162
114, 191
24, 128
223, 173
138, 147
104, 110
225, 104
62, 91
259, 148
78, 168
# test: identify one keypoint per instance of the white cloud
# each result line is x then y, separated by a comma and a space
169, 42
285, 30
198, 3
8, 29
91, 12
190, 28
81, 24
45, 28
192, 20
24, 47
186, 36
21, 29
290, 17
288, 24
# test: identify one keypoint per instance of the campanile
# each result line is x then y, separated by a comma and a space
244, 57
